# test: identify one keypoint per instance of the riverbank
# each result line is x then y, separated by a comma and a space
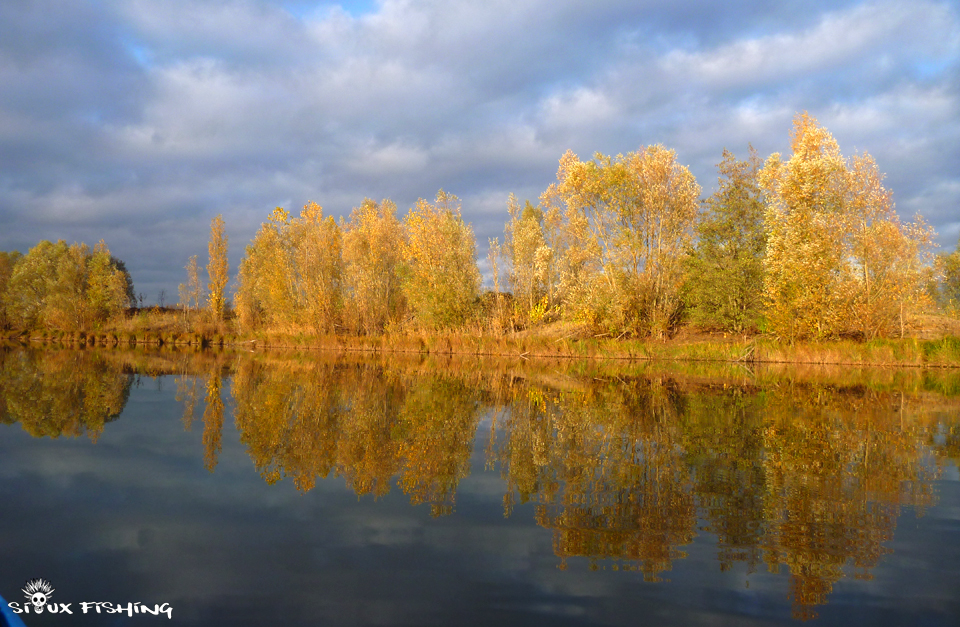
908, 352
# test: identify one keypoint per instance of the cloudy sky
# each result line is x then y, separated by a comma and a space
137, 121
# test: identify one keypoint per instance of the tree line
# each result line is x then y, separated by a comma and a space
806, 245
60, 286
803, 246
73, 288
365, 275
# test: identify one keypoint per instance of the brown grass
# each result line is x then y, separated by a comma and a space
928, 346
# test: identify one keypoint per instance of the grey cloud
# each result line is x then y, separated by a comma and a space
241, 32
144, 119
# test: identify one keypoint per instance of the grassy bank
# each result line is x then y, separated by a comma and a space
493, 371
170, 328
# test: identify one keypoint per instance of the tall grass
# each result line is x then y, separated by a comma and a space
174, 327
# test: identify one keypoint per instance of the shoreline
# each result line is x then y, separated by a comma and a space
899, 353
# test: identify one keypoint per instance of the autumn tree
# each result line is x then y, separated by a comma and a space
724, 283
30, 283
263, 293
530, 260
66, 287
838, 258
948, 269
217, 268
575, 248
66, 307
316, 244
7, 262
626, 222
129, 291
292, 272
191, 292
372, 248
109, 287
439, 276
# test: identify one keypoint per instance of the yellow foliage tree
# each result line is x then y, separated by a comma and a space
263, 294
838, 258
440, 278
191, 292
217, 268
8, 260
66, 287
626, 221
316, 245
531, 260
372, 247
292, 272
107, 285
65, 306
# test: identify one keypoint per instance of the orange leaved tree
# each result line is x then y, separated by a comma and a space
839, 260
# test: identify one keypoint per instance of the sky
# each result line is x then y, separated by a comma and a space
138, 121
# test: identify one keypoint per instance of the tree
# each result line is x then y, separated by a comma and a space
66, 287
530, 260
131, 295
626, 221
66, 306
108, 284
724, 274
316, 244
292, 272
838, 258
217, 268
8, 260
948, 268
264, 295
191, 292
372, 248
30, 283
440, 278
575, 247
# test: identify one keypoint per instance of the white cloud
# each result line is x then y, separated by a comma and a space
395, 158
580, 107
244, 31
921, 106
890, 28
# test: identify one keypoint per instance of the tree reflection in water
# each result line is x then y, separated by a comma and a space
60, 393
801, 476
806, 477
359, 422
805, 474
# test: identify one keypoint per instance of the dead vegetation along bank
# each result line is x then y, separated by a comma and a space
908, 352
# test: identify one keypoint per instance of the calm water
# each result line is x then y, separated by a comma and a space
250, 489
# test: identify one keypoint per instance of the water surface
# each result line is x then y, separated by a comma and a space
250, 489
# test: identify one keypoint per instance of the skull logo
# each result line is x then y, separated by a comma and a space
38, 592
